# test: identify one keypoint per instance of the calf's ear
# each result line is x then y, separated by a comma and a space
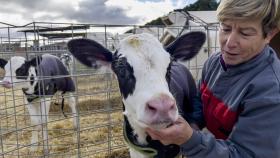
3, 62
35, 61
89, 52
186, 46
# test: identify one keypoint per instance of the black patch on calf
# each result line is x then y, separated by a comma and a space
35, 61
88, 51
34, 95
168, 72
22, 72
31, 79
3, 62
186, 46
125, 74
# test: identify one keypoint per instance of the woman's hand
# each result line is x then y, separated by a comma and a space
178, 133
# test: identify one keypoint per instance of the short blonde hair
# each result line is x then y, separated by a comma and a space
265, 10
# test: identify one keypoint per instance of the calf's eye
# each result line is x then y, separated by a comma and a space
21, 73
125, 75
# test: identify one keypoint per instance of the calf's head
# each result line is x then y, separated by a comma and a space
142, 67
19, 72
66, 59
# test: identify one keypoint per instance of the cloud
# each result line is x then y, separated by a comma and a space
99, 12
20, 12
146, 10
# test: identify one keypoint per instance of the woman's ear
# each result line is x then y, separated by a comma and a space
271, 34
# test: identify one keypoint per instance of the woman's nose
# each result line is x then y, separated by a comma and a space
232, 40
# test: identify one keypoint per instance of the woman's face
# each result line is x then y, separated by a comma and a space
241, 40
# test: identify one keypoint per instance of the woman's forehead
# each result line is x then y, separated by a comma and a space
243, 24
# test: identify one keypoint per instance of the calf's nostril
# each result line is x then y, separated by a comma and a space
151, 108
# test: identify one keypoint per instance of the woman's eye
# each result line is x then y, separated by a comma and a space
225, 29
245, 34
122, 72
21, 72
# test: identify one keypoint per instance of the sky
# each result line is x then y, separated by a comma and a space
121, 12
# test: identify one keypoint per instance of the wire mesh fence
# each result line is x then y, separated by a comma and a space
99, 106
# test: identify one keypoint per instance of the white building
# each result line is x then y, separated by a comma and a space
179, 22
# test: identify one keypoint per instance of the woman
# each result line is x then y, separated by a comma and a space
239, 88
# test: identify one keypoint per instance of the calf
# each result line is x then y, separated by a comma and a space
155, 88
39, 78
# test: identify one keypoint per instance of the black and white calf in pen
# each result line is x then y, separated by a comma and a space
39, 78
155, 88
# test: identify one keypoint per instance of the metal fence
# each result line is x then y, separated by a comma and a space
99, 131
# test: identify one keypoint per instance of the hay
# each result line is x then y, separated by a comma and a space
93, 134
121, 153
89, 104
100, 123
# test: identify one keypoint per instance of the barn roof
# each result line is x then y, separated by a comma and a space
49, 29
62, 35
207, 16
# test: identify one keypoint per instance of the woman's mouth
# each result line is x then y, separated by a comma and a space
229, 53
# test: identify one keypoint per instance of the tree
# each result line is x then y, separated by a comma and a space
202, 5
157, 21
